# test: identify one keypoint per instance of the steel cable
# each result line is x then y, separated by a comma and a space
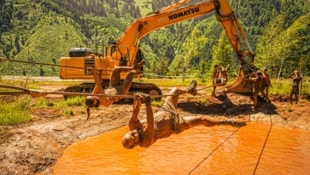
227, 138
71, 93
261, 153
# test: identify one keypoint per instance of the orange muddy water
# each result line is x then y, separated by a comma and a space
251, 149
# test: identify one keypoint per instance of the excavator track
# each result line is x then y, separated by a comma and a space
82, 88
148, 88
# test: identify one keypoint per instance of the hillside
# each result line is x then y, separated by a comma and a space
41, 45
45, 30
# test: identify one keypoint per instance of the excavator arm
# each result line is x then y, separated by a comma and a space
173, 14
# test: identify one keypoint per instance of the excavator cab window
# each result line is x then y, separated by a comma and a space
113, 50
124, 57
117, 53
112, 47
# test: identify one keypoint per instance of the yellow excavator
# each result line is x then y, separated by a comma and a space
125, 52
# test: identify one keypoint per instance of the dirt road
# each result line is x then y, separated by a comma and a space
34, 147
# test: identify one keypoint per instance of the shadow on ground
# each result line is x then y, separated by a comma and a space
228, 105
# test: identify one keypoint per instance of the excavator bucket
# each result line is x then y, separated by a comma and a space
242, 84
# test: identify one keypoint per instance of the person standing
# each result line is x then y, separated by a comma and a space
219, 78
295, 85
215, 79
266, 83
257, 81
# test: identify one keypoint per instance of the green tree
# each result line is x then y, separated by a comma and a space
266, 56
160, 66
223, 54
203, 71
283, 50
41, 72
298, 55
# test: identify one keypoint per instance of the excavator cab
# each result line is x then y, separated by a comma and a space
116, 52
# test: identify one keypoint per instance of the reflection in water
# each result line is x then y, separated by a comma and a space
199, 150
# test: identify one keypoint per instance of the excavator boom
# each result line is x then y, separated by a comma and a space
172, 15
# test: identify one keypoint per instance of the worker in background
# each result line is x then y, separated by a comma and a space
266, 83
257, 82
223, 74
295, 85
219, 78
164, 122
215, 78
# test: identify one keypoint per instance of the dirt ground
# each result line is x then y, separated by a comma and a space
34, 147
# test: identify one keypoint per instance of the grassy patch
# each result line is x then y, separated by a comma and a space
17, 112
280, 87
65, 106
69, 112
75, 101
284, 87
43, 103
31, 82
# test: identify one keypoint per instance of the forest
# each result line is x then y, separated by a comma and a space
44, 30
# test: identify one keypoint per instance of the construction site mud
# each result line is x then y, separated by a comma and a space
34, 147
